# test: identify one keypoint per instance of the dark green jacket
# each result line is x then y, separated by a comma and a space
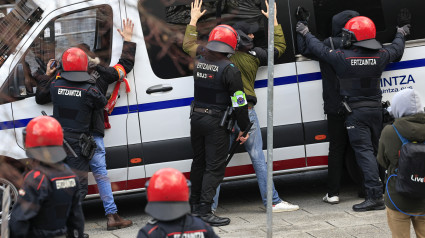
413, 129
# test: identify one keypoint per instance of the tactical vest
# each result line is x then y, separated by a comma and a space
53, 215
69, 105
210, 92
362, 75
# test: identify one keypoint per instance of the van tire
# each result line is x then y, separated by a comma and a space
13, 194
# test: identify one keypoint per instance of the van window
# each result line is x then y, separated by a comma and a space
383, 13
324, 10
164, 24
89, 29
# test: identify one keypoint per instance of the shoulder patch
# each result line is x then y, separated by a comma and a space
232, 65
36, 174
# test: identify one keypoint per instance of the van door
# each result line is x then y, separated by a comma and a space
94, 26
165, 87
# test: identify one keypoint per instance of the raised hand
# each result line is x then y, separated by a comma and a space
127, 32
195, 12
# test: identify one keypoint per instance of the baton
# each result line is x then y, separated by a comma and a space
236, 144
64, 141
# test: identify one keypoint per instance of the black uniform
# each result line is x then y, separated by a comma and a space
48, 204
108, 75
73, 106
359, 71
188, 226
337, 133
215, 82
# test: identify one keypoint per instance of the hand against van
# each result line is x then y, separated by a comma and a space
127, 32
241, 138
267, 13
404, 17
302, 14
50, 70
195, 12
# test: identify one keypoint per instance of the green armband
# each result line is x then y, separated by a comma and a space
238, 99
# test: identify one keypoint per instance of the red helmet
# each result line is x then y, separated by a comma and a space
223, 39
75, 65
43, 139
362, 32
168, 195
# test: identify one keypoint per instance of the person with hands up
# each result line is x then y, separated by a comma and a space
247, 58
359, 64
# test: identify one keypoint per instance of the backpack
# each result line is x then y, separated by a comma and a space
410, 180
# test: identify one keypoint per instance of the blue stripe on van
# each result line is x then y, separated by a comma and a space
186, 101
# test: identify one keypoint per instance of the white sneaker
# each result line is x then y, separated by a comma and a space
331, 200
284, 207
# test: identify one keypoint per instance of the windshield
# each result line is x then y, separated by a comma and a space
15, 25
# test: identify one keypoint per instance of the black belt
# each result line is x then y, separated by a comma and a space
359, 104
208, 111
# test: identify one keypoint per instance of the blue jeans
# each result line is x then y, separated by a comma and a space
254, 147
100, 174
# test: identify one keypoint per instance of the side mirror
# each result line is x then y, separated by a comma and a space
18, 89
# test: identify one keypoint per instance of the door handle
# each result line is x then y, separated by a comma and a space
159, 88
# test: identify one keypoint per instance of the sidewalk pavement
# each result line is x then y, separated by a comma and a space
241, 202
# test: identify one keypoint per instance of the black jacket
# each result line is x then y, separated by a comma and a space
342, 62
48, 204
191, 225
108, 75
331, 97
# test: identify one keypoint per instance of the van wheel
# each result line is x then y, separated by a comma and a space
351, 166
13, 195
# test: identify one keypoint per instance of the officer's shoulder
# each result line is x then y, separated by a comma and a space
35, 177
232, 67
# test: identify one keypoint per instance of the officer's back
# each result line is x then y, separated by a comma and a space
48, 204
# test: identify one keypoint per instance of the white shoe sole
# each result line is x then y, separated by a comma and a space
285, 210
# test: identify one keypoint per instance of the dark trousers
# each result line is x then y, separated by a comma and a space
364, 126
338, 144
79, 165
210, 144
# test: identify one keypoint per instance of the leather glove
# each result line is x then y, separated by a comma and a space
404, 17
302, 14
302, 28
405, 30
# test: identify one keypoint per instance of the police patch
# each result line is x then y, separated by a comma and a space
238, 99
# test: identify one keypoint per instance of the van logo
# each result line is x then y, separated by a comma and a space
416, 178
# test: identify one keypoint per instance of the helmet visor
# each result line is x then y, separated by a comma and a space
167, 211
221, 47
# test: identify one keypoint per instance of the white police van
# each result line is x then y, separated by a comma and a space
150, 125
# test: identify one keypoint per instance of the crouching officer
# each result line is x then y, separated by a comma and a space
359, 68
75, 97
168, 203
49, 203
218, 85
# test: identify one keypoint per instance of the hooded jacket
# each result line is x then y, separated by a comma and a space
331, 96
410, 122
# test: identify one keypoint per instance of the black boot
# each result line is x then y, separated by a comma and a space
207, 216
194, 209
370, 204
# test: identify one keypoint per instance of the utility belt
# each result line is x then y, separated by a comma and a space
211, 112
86, 142
353, 105
227, 120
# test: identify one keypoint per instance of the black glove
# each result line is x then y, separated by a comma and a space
302, 28
302, 14
404, 17
405, 30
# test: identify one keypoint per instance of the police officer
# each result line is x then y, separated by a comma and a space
168, 204
359, 66
218, 85
75, 97
49, 204
339, 143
